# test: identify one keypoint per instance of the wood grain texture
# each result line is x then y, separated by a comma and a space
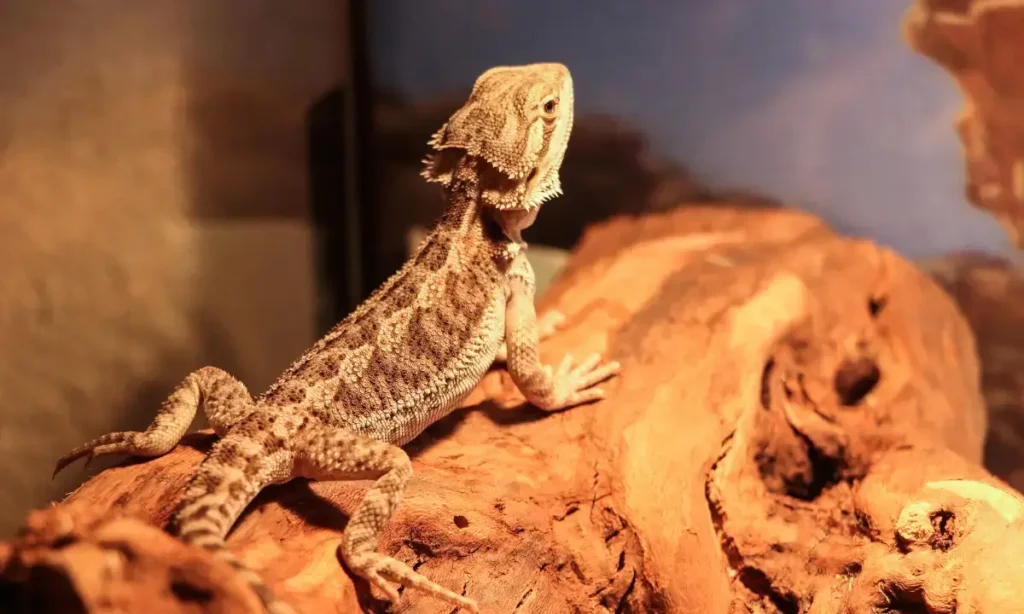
791, 405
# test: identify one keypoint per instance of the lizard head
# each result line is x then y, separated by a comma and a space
517, 122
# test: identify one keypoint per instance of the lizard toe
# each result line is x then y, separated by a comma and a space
371, 566
597, 374
392, 593
586, 396
107, 444
586, 366
66, 460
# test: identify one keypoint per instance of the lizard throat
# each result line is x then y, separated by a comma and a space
471, 208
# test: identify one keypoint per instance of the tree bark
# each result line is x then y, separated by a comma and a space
798, 427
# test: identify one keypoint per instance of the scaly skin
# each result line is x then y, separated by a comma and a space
404, 358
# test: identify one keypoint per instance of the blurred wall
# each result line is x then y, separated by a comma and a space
152, 210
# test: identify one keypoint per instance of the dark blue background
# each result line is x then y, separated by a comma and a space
819, 103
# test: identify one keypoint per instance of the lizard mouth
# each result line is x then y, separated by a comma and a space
514, 221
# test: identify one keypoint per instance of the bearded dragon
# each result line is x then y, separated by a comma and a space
406, 356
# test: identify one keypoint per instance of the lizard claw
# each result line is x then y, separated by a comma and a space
71, 457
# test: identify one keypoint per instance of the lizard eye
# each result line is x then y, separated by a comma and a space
550, 105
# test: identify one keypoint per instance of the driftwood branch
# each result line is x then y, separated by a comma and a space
979, 43
798, 428
990, 292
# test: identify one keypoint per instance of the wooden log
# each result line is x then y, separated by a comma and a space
798, 427
979, 44
990, 293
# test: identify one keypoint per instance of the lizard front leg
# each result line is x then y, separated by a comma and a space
547, 388
224, 398
547, 325
329, 453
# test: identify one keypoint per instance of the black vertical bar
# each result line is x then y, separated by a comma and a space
363, 193
326, 160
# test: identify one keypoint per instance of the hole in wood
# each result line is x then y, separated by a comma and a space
758, 582
943, 523
899, 598
825, 471
855, 378
189, 592
876, 304
64, 541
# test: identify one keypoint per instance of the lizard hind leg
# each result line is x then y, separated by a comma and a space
236, 470
337, 454
224, 398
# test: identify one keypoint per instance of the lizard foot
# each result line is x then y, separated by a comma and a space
378, 569
573, 385
124, 442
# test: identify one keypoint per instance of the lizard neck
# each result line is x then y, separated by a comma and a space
464, 217
467, 219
